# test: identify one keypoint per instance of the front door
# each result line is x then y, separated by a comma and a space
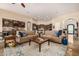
70, 32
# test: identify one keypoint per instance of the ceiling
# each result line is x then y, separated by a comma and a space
42, 11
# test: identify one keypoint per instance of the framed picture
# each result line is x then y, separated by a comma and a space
15, 23
21, 24
7, 23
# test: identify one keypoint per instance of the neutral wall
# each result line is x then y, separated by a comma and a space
44, 22
14, 16
60, 21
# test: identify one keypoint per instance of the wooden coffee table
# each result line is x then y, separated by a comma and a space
40, 41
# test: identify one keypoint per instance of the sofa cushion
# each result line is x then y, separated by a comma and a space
52, 38
31, 33
23, 34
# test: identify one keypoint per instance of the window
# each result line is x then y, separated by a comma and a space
70, 29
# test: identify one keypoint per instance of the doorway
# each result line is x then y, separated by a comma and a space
70, 33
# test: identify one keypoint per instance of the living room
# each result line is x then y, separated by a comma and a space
29, 32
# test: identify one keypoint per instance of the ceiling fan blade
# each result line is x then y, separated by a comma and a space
22, 4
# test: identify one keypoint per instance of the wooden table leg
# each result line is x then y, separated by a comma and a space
48, 42
39, 47
29, 42
4, 43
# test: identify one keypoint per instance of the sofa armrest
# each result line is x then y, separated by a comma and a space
52, 38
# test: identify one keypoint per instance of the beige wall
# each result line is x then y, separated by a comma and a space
13, 16
60, 21
44, 22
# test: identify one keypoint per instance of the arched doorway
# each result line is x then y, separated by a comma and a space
71, 26
70, 33
70, 21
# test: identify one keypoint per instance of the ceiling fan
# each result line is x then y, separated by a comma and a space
22, 4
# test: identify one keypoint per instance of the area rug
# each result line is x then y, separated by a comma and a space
33, 50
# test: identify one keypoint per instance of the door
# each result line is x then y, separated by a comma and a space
70, 32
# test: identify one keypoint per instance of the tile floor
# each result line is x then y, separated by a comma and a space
25, 50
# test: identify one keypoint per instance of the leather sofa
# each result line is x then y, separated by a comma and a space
26, 38
52, 37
